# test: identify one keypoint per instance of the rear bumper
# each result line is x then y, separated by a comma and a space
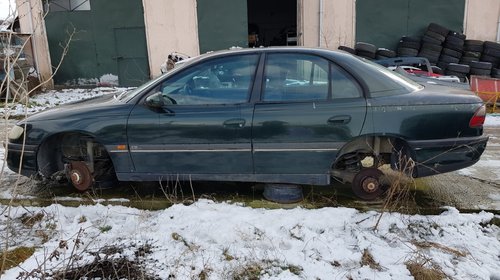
440, 156
22, 158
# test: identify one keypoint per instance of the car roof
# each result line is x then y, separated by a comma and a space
318, 51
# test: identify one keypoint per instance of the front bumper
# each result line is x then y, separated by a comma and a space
22, 158
440, 156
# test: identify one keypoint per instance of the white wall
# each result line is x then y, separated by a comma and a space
337, 24
171, 26
31, 19
481, 19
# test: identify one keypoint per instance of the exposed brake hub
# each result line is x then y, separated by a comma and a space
80, 175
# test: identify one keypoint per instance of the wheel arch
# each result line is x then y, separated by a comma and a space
376, 144
49, 155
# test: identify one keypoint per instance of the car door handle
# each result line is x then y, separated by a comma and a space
336, 120
235, 123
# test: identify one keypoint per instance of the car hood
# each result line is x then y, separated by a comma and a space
94, 107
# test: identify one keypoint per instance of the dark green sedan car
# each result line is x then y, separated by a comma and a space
272, 115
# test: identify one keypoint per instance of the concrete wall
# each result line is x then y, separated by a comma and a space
337, 19
171, 26
481, 19
32, 22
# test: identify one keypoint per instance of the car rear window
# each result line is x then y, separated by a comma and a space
382, 81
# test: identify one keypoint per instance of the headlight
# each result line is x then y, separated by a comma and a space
16, 132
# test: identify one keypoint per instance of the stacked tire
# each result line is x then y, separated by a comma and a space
481, 68
491, 53
451, 55
408, 46
472, 51
366, 50
347, 49
459, 70
383, 53
434, 37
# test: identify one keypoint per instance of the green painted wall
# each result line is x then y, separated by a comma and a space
384, 22
222, 24
93, 50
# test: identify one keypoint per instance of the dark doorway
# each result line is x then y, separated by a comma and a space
272, 23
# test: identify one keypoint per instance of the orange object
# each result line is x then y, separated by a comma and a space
487, 88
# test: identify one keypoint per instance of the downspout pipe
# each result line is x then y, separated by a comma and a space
320, 29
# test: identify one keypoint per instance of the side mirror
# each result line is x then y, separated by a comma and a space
155, 100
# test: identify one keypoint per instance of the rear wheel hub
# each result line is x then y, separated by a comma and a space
80, 175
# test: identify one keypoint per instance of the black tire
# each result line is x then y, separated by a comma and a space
405, 52
442, 65
366, 54
437, 70
365, 47
433, 57
430, 40
461, 68
411, 39
347, 49
474, 43
457, 35
455, 47
492, 52
491, 45
473, 48
480, 72
435, 35
495, 73
386, 52
451, 52
472, 54
411, 45
491, 59
438, 29
481, 65
454, 40
431, 47
461, 76
448, 59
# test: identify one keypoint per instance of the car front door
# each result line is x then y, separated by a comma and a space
203, 121
309, 109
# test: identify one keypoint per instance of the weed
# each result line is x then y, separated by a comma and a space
424, 269
228, 257
104, 229
367, 259
30, 220
14, 257
82, 219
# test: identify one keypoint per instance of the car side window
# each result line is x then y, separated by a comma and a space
219, 81
292, 77
343, 84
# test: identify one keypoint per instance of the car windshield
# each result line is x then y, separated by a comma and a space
129, 94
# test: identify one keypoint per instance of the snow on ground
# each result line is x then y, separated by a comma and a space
492, 120
222, 240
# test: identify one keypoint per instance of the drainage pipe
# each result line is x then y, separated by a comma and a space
320, 29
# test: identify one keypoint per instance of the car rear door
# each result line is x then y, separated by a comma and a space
309, 109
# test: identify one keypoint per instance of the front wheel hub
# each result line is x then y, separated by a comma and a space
79, 175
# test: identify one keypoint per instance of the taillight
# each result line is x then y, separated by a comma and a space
478, 119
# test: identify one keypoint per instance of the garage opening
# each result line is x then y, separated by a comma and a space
272, 23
